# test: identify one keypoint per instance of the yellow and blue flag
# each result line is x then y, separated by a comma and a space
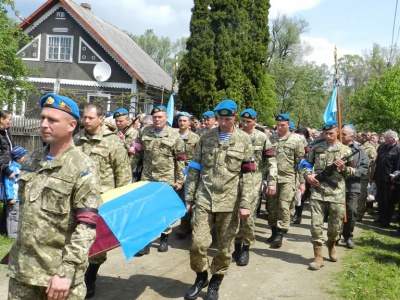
136, 214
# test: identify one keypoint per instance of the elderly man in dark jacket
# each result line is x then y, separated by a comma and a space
353, 184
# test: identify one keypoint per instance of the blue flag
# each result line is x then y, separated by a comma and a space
170, 109
331, 109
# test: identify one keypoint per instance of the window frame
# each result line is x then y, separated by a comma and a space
59, 36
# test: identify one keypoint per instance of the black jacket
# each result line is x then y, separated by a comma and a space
6, 144
353, 184
386, 162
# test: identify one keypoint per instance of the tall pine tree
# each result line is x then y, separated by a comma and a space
238, 32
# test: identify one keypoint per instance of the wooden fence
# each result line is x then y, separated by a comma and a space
26, 133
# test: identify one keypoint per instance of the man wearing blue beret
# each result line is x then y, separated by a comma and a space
163, 153
208, 121
289, 150
57, 224
324, 196
223, 157
266, 169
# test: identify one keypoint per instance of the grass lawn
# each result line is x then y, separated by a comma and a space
372, 270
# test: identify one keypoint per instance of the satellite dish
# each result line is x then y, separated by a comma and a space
102, 71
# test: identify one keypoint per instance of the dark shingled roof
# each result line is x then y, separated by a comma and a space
116, 42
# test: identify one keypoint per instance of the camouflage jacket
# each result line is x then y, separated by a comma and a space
202, 131
264, 158
216, 186
289, 152
110, 156
190, 141
50, 241
321, 155
163, 155
130, 135
370, 149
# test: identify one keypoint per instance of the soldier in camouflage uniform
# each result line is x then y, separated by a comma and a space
209, 120
324, 196
289, 150
124, 125
163, 153
60, 198
190, 139
222, 158
370, 149
101, 143
265, 162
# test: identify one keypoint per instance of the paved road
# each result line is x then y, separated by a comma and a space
272, 273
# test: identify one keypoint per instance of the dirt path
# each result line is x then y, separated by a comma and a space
271, 274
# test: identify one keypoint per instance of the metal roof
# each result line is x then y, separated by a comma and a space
116, 42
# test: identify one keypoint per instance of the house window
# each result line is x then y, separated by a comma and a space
59, 47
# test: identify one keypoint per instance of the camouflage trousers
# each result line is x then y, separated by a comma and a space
18, 290
362, 200
203, 223
335, 219
279, 206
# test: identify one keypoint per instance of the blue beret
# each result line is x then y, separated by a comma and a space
60, 102
120, 112
208, 114
109, 114
183, 114
249, 113
226, 108
158, 108
17, 152
282, 117
330, 125
291, 125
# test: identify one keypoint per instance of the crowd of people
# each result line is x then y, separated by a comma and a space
220, 168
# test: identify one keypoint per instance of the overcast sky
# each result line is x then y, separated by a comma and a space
352, 25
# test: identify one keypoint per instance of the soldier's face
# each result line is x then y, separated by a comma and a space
226, 124
330, 135
183, 122
248, 124
159, 119
56, 126
282, 127
91, 121
122, 122
209, 122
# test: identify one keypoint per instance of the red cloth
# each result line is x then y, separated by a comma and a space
105, 239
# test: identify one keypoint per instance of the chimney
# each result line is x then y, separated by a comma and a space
87, 6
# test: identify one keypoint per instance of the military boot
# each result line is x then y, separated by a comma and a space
277, 242
238, 250
90, 280
144, 251
273, 236
212, 291
163, 243
244, 256
200, 283
332, 250
318, 261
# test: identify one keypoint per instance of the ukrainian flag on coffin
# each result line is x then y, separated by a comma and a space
134, 215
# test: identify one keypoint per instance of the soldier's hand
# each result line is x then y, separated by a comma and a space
243, 213
270, 190
340, 164
177, 186
189, 206
58, 288
312, 181
121, 136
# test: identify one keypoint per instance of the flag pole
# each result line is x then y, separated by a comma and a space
339, 115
